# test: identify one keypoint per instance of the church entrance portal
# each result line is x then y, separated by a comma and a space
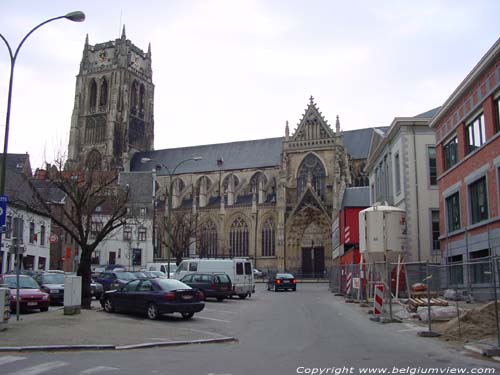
313, 261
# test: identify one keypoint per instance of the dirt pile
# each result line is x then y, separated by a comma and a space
475, 324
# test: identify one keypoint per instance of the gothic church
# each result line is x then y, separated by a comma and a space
272, 200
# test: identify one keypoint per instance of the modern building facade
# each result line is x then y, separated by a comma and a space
402, 172
468, 163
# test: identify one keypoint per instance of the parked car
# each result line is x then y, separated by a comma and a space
30, 295
53, 284
114, 279
140, 274
257, 273
96, 290
217, 285
154, 297
283, 281
154, 274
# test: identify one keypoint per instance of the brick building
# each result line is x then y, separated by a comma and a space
468, 161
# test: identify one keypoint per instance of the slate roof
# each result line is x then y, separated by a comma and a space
140, 184
429, 114
16, 162
356, 197
357, 142
259, 153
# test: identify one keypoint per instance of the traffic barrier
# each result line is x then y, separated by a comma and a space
378, 301
349, 284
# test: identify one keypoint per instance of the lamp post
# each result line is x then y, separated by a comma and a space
73, 16
171, 174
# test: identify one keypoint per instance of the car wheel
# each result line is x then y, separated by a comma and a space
152, 311
186, 315
242, 296
220, 299
43, 309
108, 306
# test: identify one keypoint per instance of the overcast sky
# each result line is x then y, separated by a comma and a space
230, 70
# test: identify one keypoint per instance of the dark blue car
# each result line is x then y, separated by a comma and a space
154, 297
114, 279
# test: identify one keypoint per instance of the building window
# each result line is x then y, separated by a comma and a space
397, 173
143, 211
431, 154
142, 234
269, 238
127, 234
238, 238
480, 266
478, 201
497, 115
8, 227
208, 240
475, 134
456, 274
93, 96
95, 227
95, 258
450, 153
32, 232
453, 212
42, 235
311, 171
436, 245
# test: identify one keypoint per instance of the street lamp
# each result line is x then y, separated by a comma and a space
73, 16
171, 174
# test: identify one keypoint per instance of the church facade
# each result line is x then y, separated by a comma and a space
272, 200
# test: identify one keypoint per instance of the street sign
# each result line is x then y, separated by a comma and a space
53, 238
3, 209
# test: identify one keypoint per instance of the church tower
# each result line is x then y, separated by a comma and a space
114, 101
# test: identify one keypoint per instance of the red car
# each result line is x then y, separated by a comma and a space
30, 295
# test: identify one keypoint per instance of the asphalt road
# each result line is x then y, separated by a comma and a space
280, 333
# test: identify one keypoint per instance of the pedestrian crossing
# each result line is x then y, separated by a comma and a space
18, 367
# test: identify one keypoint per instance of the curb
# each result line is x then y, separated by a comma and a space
60, 348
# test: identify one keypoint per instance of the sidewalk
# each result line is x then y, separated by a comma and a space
96, 329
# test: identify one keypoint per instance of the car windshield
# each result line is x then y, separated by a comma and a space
171, 284
158, 273
284, 276
125, 276
53, 279
25, 282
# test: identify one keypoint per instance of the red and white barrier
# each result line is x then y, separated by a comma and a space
378, 301
348, 288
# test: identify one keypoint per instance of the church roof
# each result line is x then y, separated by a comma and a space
259, 153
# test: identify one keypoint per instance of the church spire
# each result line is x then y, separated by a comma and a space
123, 33
149, 50
87, 40
337, 125
287, 131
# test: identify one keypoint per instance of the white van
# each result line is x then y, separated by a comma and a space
239, 270
163, 267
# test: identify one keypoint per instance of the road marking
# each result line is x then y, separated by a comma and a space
97, 369
215, 320
9, 359
221, 311
40, 369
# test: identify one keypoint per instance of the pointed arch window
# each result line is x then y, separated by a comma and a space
208, 240
94, 160
142, 95
311, 171
134, 98
103, 94
269, 238
93, 96
238, 238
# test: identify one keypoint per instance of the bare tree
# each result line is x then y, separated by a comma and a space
95, 205
183, 232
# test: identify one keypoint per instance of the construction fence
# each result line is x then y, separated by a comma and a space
459, 298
